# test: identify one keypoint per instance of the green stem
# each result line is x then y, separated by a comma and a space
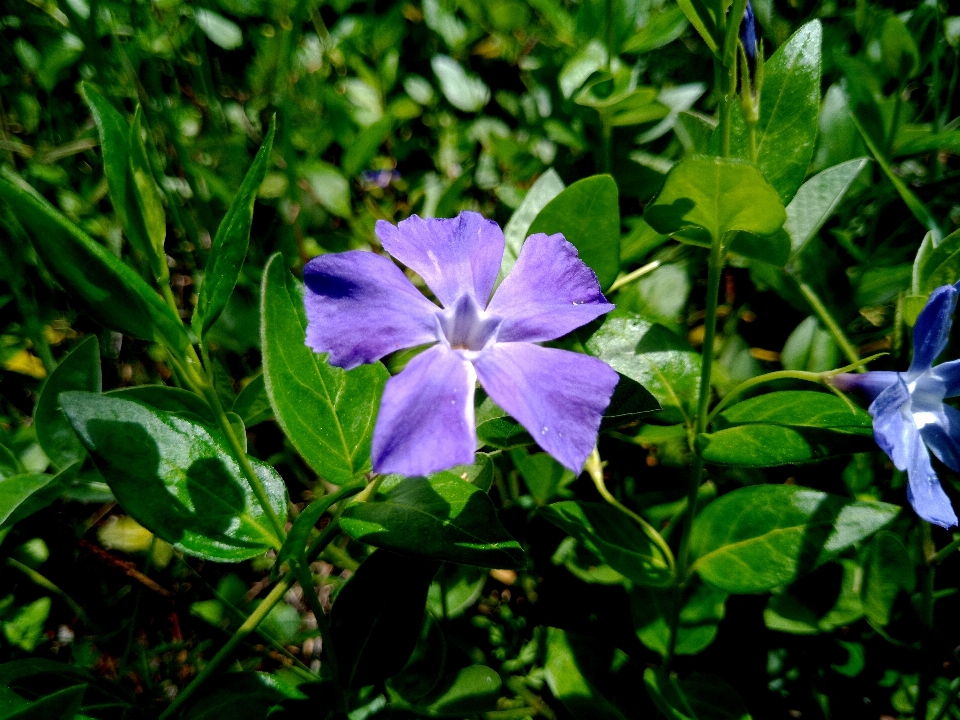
944, 552
305, 578
820, 310
636, 274
594, 468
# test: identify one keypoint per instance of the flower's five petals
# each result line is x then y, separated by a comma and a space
549, 292
932, 330
453, 256
426, 420
923, 489
360, 307
558, 396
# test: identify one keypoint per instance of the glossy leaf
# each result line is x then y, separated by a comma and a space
102, 285
799, 408
817, 199
376, 618
169, 399
698, 697
80, 370
588, 215
327, 413
176, 477
757, 538
651, 610
789, 108
651, 355
773, 445
545, 189
710, 196
441, 517
614, 538
16, 490
468, 692
230, 243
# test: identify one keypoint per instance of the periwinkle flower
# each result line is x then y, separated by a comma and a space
909, 415
360, 307
748, 32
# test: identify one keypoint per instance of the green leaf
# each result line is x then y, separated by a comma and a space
295, 543
327, 413
703, 21
240, 695
59, 705
588, 215
230, 243
899, 50
571, 678
757, 538
698, 697
80, 370
799, 408
374, 624
810, 347
426, 665
789, 108
176, 477
545, 189
543, 475
651, 610
662, 28
115, 136
467, 692
774, 445
148, 202
463, 90
455, 589
25, 629
651, 355
817, 199
169, 399
113, 294
357, 154
331, 188
614, 538
710, 196
16, 493
889, 571
441, 517
496, 428
9, 464
253, 403
934, 265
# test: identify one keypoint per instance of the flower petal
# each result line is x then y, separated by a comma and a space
949, 374
943, 436
453, 256
889, 428
360, 307
426, 421
924, 491
871, 384
549, 292
557, 395
932, 330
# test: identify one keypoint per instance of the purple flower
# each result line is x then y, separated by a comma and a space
909, 415
360, 307
748, 32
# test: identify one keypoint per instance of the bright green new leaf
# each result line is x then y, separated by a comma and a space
441, 517
327, 413
230, 243
662, 28
711, 196
757, 538
934, 265
545, 189
80, 370
588, 215
176, 477
101, 284
24, 631
614, 538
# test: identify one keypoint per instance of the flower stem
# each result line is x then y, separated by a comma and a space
826, 318
630, 277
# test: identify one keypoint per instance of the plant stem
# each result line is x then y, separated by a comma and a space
820, 310
305, 578
630, 277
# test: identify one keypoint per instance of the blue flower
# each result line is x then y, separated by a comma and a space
909, 415
748, 33
360, 307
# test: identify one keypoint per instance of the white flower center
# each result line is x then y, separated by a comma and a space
923, 406
465, 326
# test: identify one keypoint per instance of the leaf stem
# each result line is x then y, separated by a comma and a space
594, 468
820, 310
631, 276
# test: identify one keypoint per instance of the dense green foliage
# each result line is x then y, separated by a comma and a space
176, 466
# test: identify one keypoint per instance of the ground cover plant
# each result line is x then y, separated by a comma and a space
579, 359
